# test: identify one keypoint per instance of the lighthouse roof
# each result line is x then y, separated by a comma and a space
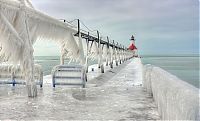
132, 38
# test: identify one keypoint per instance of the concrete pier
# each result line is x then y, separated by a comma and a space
114, 95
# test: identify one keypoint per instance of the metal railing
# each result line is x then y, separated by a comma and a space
14, 75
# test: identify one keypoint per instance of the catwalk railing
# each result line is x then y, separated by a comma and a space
119, 53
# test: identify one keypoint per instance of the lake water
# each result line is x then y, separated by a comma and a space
48, 62
184, 67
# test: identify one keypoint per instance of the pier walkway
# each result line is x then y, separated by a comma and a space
114, 95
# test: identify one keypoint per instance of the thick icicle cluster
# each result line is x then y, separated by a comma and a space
176, 99
93, 50
106, 53
40, 27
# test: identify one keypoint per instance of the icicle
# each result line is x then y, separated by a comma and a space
29, 4
11, 43
93, 52
71, 46
105, 52
80, 45
62, 55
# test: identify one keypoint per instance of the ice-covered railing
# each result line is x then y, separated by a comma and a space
98, 47
13, 74
176, 99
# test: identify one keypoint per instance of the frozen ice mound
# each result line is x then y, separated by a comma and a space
176, 99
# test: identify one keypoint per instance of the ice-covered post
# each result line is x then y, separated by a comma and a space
100, 65
99, 48
80, 45
62, 59
120, 50
62, 52
123, 53
127, 53
107, 51
112, 55
27, 61
116, 54
87, 49
62, 55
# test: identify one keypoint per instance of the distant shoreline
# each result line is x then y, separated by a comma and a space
178, 55
146, 55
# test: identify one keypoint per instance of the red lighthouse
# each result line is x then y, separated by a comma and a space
132, 43
132, 46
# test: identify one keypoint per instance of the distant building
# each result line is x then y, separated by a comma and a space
132, 43
132, 46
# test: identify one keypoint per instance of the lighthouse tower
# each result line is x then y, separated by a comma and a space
132, 40
132, 46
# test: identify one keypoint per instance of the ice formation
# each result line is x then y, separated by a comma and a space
93, 50
176, 99
70, 49
106, 54
105, 51
21, 25
10, 71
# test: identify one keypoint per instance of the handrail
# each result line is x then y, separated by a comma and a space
13, 73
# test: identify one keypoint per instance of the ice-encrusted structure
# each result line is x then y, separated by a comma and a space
21, 25
176, 99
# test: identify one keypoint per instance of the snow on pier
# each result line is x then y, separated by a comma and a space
115, 95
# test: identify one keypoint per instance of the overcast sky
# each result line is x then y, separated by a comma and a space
159, 26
